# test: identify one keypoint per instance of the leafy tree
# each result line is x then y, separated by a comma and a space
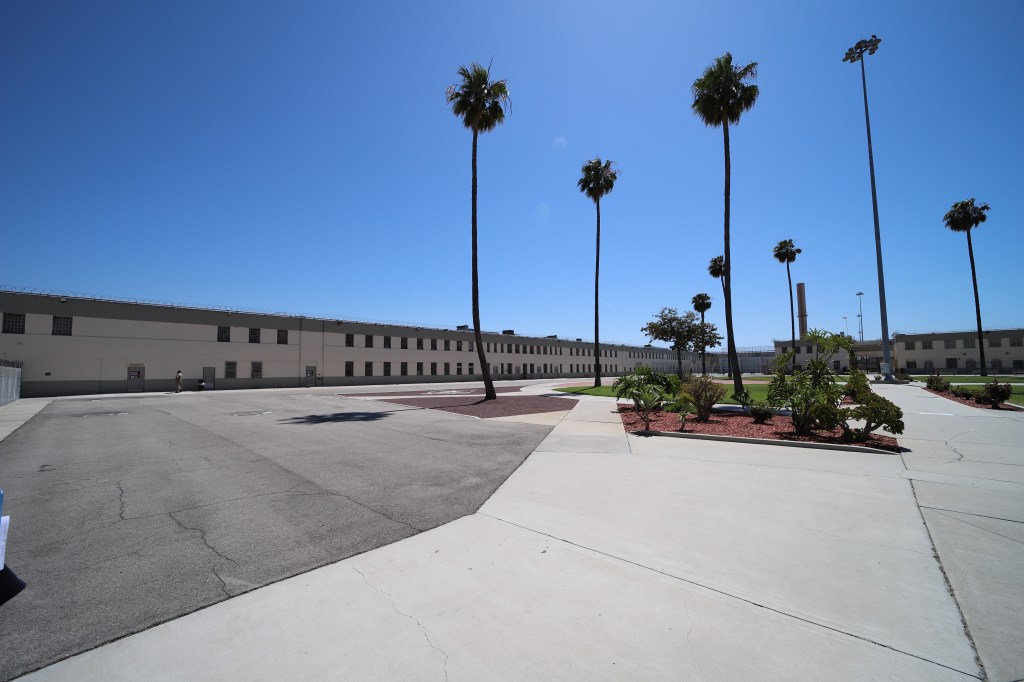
597, 180
678, 330
786, 252
964, 216
480, 103
702, 303
720, 96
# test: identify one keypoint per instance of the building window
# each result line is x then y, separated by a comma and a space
950, 363
254, 335
419, 369
909, 345
368, 369
1018, 364
405, 369
282, 337
387, 342
470, 346
458, 345
433, 369
350, 340
223, 334
471, 368
387, 369
369, 343
350, 368
950, 344
257, 370
433, 344
447, 344
419, 344
14, 323
911, 364
1017, 342
968, 343
61, 325
447, 368
926, 345
995, 343
230, 369
405, 343
458, 368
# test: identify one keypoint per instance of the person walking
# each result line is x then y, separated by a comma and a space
177, 382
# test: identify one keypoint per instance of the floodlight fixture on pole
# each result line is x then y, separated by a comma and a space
856, 54
860, 314
847, 323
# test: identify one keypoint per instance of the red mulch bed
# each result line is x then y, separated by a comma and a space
503, 406
969, 402
741, 425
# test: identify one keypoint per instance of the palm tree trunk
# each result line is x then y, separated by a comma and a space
734, 367
977, 304
489, 392
792, 318
597, 279
703, 350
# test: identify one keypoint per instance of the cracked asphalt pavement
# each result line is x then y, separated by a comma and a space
128, 512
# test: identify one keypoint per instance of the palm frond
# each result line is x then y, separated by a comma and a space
965, 215
478, 101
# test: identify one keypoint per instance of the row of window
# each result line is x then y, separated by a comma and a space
952, 363
950, 344
14, 323
256, 369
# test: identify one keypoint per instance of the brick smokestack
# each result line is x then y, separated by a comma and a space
801, 309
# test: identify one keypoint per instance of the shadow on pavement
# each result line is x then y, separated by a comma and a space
337, 417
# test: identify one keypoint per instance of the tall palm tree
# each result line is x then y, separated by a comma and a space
702, 303
720, 96
716, 268
961, 218
480, 103
597, 180
786, 252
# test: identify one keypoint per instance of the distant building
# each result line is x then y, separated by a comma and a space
954, 352
69, 345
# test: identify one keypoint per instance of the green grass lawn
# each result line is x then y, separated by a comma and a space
975, 379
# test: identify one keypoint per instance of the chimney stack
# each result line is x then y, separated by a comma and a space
801, 309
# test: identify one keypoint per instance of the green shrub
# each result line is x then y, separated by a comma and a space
704, 392
647, 400
964, 392
858, 388
683, 404
937, 383
902, 375
626, 386
761, 411
877, 412
993, 394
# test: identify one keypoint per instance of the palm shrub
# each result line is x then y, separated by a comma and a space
876, 412
858, 388
644, 376
994, 394
812, 394
705, 393
647, 400
683, 404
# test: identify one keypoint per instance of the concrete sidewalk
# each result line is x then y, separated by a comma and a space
615, 557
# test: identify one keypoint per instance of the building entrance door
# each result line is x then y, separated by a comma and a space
136, 378
209, 377
310, 375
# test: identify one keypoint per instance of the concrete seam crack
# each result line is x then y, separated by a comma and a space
1005, 537
202, 536
426, 634
780, 612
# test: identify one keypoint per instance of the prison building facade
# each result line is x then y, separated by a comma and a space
68, 345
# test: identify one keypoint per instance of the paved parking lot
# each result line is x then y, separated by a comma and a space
132, 511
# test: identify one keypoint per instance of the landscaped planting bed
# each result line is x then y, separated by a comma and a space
741, 425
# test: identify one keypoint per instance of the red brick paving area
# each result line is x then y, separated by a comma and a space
501, 407
741, 425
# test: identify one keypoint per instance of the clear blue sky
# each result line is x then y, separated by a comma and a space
301, 157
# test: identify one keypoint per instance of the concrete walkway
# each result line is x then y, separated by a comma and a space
621, 557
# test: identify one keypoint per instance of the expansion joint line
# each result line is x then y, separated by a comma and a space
716, 590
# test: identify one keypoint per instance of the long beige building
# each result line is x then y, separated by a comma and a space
954, 352
68, 346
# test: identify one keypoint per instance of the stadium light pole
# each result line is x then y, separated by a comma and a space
856, 54
847, 323
860, 314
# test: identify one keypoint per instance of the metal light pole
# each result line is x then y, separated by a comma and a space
847, 323
860, 314
856, 54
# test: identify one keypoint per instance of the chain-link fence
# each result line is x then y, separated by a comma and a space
10, 381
